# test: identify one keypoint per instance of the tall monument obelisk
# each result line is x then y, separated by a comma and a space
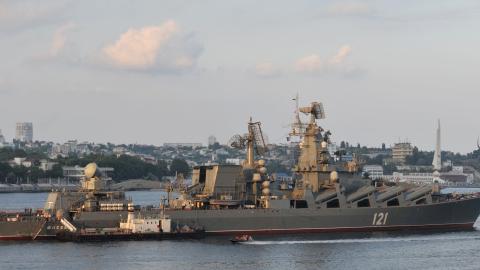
437, 156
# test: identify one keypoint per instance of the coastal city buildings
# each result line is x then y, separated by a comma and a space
387, 163
74, 174
24, 132
400, 152
455, 177
373, 171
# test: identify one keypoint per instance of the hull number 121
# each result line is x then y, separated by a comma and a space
380, 219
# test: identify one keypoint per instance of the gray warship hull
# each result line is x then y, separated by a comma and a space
451, 215
460, 214
20, 230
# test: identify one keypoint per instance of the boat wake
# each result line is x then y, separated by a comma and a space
365, 240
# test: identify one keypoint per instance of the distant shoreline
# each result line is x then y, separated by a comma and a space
128, 185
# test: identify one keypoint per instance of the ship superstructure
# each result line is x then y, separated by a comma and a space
328, 194
92, 206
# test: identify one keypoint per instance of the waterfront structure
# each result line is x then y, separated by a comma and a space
457, 176
24, 132
74, 174
437, 156
400, 152
417, 178
374, 172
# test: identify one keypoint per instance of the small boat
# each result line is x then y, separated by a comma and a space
242, 238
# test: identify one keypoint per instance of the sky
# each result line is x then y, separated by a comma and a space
150, 72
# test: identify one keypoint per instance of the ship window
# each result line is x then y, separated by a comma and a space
203, 174
333, 204
364, 203
298, 204
393, 202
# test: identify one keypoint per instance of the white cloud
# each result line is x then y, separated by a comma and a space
308, 64
138, 48
153, 48
341, 55
337, 63
266, 69
349, 9
59, 39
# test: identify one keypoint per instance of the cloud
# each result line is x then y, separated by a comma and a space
314, 64
59, 39
337, 63
152, 48
266, 69
61, 49
308, 64
349, 8
138, 48
341, 55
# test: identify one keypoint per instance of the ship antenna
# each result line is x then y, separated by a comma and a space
297, 125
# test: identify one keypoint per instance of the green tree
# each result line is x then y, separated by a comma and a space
179, 166
5, 169
55, 172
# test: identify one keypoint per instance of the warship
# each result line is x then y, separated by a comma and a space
327, 194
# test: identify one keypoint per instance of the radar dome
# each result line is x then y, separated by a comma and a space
324, 144
265, 184
90, 170
334, 176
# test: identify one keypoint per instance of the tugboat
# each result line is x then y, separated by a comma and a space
134, 228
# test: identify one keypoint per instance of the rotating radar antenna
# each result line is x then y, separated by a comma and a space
238, 141
254, 141
259, 142
315, 110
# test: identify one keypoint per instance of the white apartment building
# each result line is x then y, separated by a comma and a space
400, 151
374, 171
24, 132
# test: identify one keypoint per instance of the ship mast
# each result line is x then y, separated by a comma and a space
314, 156
250, 146
298, 128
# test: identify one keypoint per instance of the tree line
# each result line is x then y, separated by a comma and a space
125, 167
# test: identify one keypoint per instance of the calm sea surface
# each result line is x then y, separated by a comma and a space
452, 250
